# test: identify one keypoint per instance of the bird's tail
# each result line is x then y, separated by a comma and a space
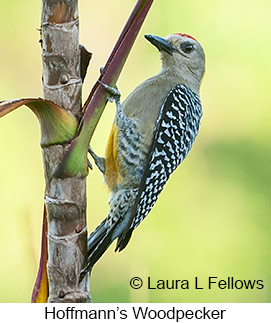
111, 228
98, 242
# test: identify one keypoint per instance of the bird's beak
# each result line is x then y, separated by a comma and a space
161, 43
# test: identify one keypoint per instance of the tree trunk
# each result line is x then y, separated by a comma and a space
65, 199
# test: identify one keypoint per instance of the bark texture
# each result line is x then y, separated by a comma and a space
65, 199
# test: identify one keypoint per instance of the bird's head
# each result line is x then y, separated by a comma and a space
182, 54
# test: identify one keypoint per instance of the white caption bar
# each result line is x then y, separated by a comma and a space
136, 312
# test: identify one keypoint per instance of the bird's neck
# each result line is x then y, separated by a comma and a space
182, 75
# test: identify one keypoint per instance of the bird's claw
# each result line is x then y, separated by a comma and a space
113, 92
89, 164
99, 161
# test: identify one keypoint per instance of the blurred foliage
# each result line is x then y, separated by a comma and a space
213, 217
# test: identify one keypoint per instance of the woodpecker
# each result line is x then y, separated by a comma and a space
152, 133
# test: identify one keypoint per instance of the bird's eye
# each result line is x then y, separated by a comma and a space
187, 47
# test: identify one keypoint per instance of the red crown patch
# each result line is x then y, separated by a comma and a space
185, 35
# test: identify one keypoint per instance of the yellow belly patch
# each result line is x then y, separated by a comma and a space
112, 174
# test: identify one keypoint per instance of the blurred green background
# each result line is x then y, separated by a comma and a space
213, 217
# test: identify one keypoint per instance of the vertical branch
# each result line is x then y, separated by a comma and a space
65, 199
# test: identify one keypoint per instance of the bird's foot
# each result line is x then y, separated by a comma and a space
99, 161
113, 92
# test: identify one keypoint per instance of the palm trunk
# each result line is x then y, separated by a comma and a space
65, 199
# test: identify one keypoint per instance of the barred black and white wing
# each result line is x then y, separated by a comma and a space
175, 132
